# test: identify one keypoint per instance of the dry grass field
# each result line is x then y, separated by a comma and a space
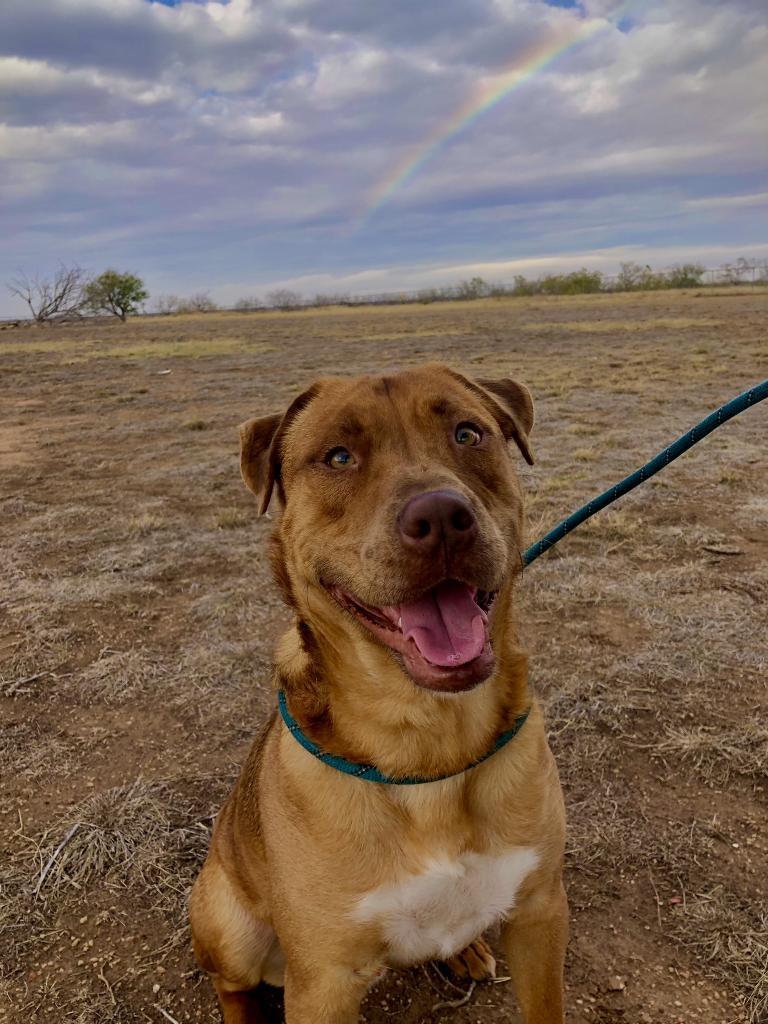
137, 617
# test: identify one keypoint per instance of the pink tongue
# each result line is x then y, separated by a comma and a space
446, 624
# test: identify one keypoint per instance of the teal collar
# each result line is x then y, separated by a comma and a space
368, 771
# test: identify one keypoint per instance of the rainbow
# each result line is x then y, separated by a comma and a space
484, 98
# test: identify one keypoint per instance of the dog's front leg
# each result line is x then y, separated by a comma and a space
324, 995
535, 938
238, 1007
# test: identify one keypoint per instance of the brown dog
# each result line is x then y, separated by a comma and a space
397, 548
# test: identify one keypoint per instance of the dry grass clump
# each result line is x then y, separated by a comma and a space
722, 626
586, 703
18, 920
30, 661
241, 603
583, 429
47, 1002
232, 518
716, 753
215, 663
616, 524
732, 939
565, 577
116, 676
236, 675
753, 512
135, 567
142, 836
669, 612
46, 595
101, 1011
20, 505
585, 454
27, 750
609, 831
731, 475
72, 517
144, 523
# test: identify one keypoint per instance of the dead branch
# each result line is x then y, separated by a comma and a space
53, 298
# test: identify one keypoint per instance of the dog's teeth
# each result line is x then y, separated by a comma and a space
400, 623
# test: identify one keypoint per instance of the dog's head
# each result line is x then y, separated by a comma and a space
402, 513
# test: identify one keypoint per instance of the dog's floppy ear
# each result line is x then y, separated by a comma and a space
517, 403
256, 468
261, 444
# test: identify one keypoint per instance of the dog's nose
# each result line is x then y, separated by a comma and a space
437, 518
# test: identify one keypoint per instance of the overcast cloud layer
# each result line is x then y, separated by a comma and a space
232, 146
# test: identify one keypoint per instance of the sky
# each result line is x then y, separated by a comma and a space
359, 146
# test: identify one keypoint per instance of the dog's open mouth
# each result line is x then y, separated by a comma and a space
442, 637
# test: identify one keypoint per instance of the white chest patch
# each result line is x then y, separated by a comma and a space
437, 913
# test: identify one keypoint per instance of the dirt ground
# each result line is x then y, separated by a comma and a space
137, 617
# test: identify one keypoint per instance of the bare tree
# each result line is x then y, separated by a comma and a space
248, 303
167, 304
687, 275
53, 298
200, 302
630, 277
474, 288
284, 298
337, 299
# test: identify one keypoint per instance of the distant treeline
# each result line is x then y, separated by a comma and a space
71, 293
632, 277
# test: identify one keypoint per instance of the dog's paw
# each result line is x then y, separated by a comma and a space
476, 962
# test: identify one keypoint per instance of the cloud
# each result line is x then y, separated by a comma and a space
727, 202
212, 45
192, 140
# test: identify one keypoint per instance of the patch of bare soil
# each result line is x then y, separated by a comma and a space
137, 617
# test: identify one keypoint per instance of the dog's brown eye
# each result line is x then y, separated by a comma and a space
339, 458
468, 433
